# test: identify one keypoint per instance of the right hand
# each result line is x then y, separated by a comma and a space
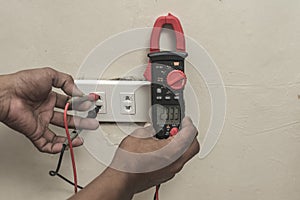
141, 163
167, 157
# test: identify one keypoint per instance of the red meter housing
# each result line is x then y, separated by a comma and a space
166, 73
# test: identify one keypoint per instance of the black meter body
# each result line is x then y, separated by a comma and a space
167, 85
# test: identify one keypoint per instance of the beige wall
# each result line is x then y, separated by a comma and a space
255, 44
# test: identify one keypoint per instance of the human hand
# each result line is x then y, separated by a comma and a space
28, 102
155, 161
142, 162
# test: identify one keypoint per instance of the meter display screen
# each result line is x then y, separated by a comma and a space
168, 114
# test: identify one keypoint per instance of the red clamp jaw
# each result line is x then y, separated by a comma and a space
155, 36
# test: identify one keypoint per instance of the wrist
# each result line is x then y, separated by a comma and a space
121, 181
5, 95
109, 185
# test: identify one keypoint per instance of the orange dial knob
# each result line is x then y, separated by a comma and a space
176, 79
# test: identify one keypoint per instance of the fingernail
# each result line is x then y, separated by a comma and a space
81, 139
147, 124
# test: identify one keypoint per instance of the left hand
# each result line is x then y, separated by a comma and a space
28, 106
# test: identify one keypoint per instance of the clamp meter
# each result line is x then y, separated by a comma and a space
166, 73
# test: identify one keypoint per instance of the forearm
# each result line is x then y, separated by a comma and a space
5, 95
110, 185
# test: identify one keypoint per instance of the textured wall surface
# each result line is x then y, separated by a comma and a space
256, 46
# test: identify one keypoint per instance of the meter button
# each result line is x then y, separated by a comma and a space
158, 90
174, 131
167, 134
159, 97
167, 97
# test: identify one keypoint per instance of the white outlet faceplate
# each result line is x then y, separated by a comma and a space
123, 101
127, 103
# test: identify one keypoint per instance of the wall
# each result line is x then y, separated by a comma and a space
254, 43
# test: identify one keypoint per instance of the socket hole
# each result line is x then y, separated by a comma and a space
128, 107
127, 98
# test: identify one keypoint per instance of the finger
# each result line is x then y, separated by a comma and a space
175, 147
184, 138
65, 82
187, 121
150, 129
144, 132
61, 101
190, 152
52, 148
82, 106
49, 142
147, 124
186, 135
74, 121
188, 130
78, 141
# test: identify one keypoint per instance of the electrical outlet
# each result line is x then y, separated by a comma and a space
101, 102
127, 103
123, 100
